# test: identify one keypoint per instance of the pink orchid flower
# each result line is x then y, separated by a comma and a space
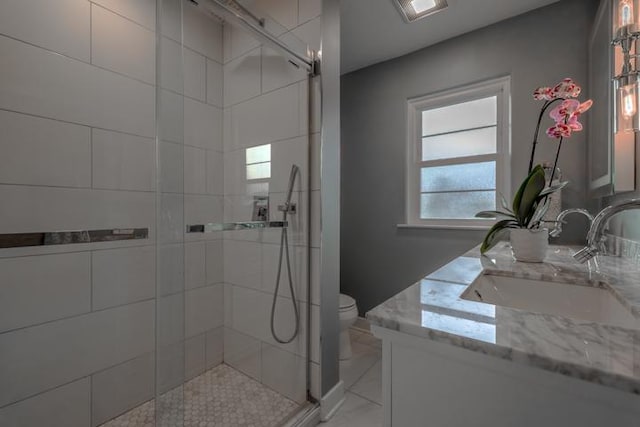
566, 115
564, 110
543, 93
569, 111
559, 130
574, 124
584, 106
567, 88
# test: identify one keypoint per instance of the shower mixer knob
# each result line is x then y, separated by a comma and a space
288, 208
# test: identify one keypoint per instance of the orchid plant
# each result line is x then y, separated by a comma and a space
565, 115
531, 202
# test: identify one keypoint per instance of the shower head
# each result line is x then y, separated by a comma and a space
292, 180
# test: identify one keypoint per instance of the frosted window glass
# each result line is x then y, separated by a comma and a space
259, 171
259, 154
459, 144
466, 115
456, 205
471, 176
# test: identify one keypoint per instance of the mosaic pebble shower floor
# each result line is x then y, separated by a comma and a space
220, 397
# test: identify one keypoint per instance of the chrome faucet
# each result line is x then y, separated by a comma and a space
595, 236
560, 220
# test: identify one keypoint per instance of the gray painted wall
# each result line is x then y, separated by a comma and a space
538, 48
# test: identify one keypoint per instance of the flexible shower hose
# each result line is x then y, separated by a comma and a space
284, 250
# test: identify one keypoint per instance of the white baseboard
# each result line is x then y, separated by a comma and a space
332, 401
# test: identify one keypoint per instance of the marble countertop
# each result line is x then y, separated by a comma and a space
608, 355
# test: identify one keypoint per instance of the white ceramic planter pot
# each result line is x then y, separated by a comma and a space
529, 245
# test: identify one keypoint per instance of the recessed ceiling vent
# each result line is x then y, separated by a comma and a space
412, 10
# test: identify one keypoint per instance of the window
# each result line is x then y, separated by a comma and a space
458, 155
258, 169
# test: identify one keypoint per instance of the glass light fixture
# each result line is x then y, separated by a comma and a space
627, 95
626, 31
625, 18
412, 10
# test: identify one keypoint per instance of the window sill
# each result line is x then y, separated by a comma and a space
446, 227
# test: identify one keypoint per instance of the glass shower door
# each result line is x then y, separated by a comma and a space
263, 156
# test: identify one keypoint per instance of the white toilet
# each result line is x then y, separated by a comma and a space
348, 316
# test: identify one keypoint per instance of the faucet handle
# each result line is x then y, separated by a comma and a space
585, 254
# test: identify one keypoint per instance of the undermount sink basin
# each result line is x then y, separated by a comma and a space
589, 303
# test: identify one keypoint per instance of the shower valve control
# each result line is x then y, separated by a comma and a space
290, 208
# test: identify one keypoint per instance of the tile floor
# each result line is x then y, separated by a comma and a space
362, 377
224, 397
221, 397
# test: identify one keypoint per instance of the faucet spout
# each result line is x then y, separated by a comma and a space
598, 225
560, 220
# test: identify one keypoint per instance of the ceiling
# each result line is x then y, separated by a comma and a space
373, 31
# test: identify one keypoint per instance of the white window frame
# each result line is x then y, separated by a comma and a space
497, 87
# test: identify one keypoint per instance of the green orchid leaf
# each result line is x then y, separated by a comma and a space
495, 233
517, 199
553, 189
504, 203
532, 211
494, 214
540, 211
535, 184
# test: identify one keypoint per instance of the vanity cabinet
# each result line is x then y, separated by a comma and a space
426, 383
452, 360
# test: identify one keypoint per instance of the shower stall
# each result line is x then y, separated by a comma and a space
160, 213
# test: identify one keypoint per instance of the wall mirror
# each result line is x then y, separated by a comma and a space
611, 154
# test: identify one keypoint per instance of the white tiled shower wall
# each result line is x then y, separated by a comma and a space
77, 110
77, 151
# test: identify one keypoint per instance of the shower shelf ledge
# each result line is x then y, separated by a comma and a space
19, 240
232, 226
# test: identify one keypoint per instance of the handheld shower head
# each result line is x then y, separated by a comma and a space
289, 207
284, 252
295, 170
